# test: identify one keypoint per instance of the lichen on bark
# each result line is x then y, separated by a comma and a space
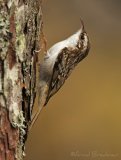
20, 27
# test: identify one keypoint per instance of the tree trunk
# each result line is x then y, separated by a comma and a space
20, 28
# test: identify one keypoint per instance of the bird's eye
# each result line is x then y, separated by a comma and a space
82, 36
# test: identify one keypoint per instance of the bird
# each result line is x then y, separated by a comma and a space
59, 62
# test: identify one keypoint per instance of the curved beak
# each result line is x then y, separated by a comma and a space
82, 25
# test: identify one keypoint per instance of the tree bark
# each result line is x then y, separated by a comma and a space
20, 29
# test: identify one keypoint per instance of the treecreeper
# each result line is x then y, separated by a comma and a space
59, 61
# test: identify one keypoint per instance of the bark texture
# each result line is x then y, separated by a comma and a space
20, 29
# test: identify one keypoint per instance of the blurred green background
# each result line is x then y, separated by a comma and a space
83, 120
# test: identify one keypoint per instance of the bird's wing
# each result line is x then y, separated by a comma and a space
61, 70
